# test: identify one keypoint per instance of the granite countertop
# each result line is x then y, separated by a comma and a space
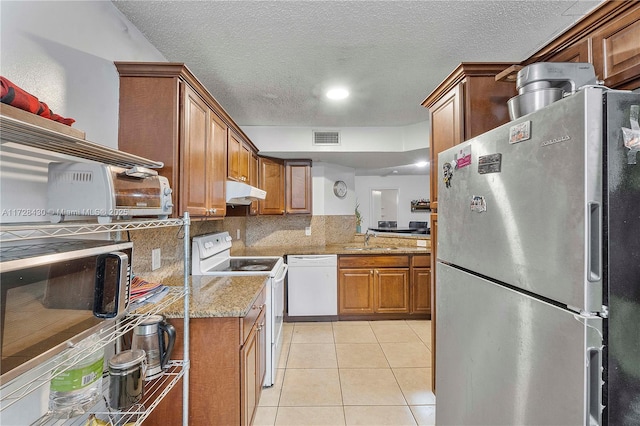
342, 249
232, 296
216, 296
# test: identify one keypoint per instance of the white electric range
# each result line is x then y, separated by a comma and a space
211, 256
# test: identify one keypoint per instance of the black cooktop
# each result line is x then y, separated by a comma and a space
244, 265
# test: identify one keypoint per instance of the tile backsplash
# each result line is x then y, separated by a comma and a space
255, 231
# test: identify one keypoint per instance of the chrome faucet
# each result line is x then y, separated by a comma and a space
366, 238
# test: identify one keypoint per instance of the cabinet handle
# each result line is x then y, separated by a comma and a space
371, 272
258, 307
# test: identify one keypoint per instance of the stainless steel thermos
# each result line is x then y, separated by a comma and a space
126, 383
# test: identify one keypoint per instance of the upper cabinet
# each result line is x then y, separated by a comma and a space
271, 176
239, 158
607, 38
298, 186
203, 149
467, 103
616, 50
253, 180
168, 115
288, 185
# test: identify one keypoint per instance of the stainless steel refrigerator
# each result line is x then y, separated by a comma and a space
538, 269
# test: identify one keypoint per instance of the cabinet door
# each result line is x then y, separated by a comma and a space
446, 131
271, 180
250, 359
420, 291
298, 187
392, 291
244, 162
233, 156
262, 352
195, 161
579, 52
355, 291
616, 52
216, 174
253, 181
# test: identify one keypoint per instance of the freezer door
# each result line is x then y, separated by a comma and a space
505, 358
528, 212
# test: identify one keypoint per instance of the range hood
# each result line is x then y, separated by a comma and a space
239, 193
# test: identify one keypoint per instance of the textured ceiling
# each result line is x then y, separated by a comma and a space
268, 62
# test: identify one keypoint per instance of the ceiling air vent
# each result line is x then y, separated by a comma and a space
326, 138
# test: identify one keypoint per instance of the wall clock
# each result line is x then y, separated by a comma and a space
340, 189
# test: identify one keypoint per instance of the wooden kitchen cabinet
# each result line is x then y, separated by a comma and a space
355, 294
253, 369
288, 185
421, 284
238, 158
253, 180
579, 52
226, 373
168, 115
271, 177
298, 187
616, 51
373, 285
467, 103
203, 152
608, 38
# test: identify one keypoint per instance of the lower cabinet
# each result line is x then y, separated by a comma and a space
420, 285
227, 370
385, 286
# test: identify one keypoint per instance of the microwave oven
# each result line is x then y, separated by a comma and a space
55, 292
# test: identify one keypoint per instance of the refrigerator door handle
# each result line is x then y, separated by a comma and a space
594, 387
594, 241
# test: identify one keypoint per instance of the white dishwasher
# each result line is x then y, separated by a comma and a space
312, 285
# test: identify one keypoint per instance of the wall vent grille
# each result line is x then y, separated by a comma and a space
326, 137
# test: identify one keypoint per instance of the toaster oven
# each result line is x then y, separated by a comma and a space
93, 189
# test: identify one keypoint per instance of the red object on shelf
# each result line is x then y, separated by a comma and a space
13, 95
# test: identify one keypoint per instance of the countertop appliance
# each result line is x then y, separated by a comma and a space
93, 189
543, 83
312, 285
57, 291
538, 269
211, 256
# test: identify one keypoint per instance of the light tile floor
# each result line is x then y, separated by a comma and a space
352, 373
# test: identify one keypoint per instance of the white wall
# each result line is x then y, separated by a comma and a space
409, 188
324, 200
352, 139
63, 53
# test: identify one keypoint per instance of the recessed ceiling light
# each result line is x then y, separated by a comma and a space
337, 93
422, 163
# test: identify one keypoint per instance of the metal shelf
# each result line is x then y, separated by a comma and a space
154, 391
14, 390
29, 231
21, 132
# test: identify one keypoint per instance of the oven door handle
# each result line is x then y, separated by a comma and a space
283, 270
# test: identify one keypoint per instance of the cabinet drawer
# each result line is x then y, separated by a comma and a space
387, 261
421, 261
248, 320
